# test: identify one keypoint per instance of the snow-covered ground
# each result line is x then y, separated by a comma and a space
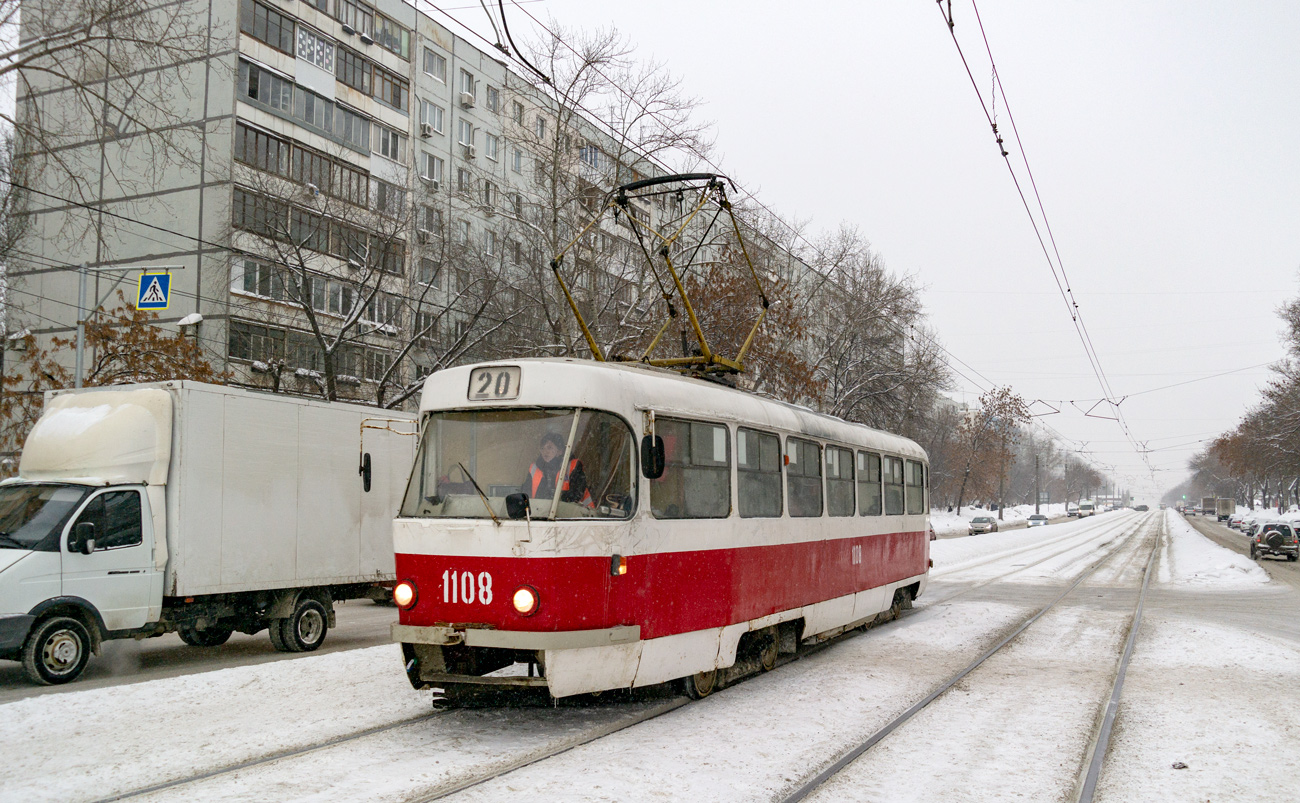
1016, 728
946, 523
1192, 559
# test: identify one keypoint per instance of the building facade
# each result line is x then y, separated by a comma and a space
349, 189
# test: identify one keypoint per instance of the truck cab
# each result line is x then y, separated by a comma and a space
79, 559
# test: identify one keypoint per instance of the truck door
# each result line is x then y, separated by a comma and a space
117, 576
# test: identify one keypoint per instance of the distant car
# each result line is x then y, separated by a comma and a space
1235, 522
983, 524
1275, 538
1072, 511
1142, 508
1163, 505
1036, 520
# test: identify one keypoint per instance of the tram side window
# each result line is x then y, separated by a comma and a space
758, 474
915, 488
696, 483
869, 499
839, 481
804, 477
893, 486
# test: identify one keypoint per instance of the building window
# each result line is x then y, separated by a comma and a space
352, 128
590, 156
432, 115
462, 232
463, 181
392, 89
315, 49
490, 242
517, 205
696, 483
425, 328
804, 477
261, 150
428, 272
312, 168
431, 220
758, 474
517, 112
492, 146
493, 99
489, 194
353, 185
466, 132
392, 36
516, 160
467, 83
391, 144
353, 69
430, 167
259, 214
359, 16
540, 127
266, 87
266, 25
252, 342
435, 65
389, 199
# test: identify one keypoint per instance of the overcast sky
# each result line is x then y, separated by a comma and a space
1162, 135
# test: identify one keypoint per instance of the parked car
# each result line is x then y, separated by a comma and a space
1235, 522
1275, 538
1036, 520
983, 524
1072, 510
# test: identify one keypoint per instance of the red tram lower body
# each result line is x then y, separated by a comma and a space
667, 615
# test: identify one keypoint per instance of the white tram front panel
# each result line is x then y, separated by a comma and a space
639, 581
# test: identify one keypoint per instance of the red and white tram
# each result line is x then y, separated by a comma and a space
766, 525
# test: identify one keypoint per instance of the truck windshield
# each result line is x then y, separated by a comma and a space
32, 516
523, 451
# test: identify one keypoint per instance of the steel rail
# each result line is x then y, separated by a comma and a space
270, 757
852, 755
1102, 741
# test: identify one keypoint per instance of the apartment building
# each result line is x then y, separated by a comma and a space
340, 173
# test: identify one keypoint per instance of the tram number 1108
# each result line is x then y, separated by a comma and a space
466, 588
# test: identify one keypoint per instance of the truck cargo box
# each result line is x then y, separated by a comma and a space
263, 491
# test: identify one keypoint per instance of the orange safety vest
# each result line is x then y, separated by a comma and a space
536, 474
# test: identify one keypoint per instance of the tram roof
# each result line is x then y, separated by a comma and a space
629, 387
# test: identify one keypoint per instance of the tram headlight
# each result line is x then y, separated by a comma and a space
405, 594
525, 600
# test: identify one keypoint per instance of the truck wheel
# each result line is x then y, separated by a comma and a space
210, 637
305, 629
57, 651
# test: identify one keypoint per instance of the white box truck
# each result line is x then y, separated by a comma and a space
1225, 509
1087, 508
179, 506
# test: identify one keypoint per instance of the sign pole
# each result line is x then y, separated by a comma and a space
81, 322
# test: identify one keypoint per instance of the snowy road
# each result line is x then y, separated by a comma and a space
1215, 637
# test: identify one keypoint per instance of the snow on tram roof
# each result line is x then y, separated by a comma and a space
628, 387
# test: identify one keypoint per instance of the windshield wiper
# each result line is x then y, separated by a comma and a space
481, 495
5, 539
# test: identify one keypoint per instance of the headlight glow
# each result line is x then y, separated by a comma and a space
404, 594
525, 600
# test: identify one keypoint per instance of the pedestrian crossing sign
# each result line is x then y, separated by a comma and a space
154, 291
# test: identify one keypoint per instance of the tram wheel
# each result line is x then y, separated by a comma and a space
768, 652
701, 684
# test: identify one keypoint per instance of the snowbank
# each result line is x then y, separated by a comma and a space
946, 523
957, 553
1192, 559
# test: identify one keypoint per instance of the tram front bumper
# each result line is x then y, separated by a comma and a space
516, 639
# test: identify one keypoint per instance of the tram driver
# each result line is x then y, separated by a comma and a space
544, 471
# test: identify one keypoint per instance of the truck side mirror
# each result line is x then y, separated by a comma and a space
652, 457
517, 505
364, 471
83, 537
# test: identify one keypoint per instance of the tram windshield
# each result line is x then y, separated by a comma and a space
572, 464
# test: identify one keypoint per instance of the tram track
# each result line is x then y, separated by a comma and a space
1114, 530
1099, 741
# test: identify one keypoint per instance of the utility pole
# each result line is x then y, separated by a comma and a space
1038, 495
81, 323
